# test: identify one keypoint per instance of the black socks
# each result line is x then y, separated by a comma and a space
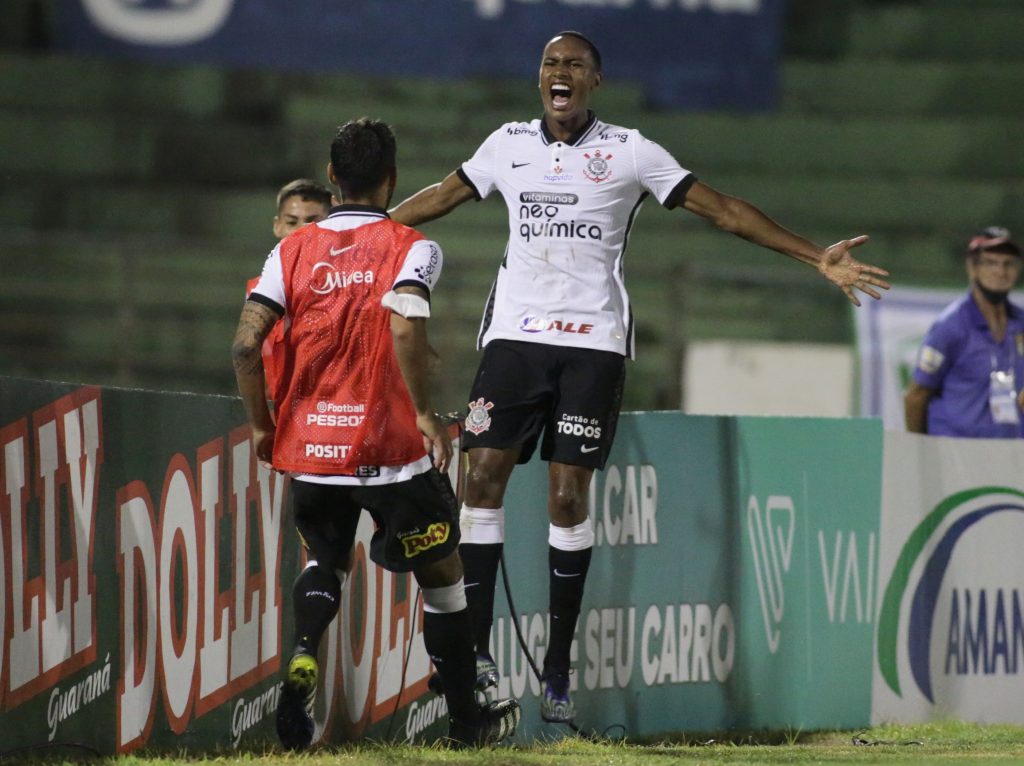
316, 597
480, 568
448, 640
567, 577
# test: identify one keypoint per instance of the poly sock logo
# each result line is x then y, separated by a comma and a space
771, 542
983, 623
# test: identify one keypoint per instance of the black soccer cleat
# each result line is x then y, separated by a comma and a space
486, 676
556, 705
295, 725
498, 721
486, 672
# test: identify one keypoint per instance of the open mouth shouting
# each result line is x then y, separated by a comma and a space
561, 96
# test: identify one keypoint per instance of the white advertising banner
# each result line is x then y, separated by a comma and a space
727, 377
950, 638
889, 333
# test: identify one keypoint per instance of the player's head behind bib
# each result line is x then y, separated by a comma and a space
363, 163
300, 202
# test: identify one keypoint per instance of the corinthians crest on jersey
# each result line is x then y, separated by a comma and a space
571, 205
597, 168
478, 419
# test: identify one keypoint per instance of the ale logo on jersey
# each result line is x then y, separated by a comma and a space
532, 324
964, 626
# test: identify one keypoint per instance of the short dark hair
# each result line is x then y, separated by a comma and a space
594, 52
306, 188
362, 155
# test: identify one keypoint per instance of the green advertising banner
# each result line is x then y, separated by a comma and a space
809, 492
732, 578
656, 639
146, 563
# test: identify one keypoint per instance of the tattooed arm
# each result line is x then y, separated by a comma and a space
253, 327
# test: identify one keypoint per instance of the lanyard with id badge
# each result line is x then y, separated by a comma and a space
1002, 393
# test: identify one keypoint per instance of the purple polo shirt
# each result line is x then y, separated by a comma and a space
956, 361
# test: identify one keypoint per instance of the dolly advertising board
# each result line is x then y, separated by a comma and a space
145, 567
146, 563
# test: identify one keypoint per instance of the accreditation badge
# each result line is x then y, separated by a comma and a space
1002, 397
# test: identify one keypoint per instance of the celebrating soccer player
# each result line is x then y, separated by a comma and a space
557, 327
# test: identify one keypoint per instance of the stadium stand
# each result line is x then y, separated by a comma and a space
136, 200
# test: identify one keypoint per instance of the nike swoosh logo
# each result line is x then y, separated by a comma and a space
519, 164
468, 585
571, 574
341, 250
585, 449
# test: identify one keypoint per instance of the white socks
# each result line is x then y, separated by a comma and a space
446, 599
576, 538
482, 526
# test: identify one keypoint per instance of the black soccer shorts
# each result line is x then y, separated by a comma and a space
416, 519
571, 396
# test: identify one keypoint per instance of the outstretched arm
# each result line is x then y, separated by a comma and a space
433, 202
253, 327
409, 336
739, 217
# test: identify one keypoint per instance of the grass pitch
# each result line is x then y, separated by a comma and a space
948, 742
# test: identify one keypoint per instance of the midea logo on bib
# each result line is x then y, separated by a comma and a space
323, 278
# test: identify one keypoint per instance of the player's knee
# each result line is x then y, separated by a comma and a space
567, 505
485, 486
440, 574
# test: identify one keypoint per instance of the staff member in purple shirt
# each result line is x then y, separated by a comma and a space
969, 379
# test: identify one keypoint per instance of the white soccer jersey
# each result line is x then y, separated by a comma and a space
571, 206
